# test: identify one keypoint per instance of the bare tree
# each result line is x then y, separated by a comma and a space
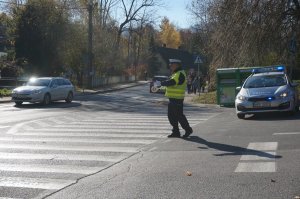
133, 11
247, 33
105, 7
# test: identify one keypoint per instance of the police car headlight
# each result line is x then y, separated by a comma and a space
284, 94
241, 97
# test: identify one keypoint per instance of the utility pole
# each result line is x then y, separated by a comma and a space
90, 70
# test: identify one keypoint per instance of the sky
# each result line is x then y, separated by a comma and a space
176, 12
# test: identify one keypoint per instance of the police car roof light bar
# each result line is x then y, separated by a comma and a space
269, 69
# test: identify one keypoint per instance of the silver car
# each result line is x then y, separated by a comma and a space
44, 90
266, 92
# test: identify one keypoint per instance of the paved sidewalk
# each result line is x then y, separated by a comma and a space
104, 89
5, 99
188, 97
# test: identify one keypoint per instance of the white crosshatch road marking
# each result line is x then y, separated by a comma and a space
99, 129
263, 146
78, 140
259, 157
75, 169
103, 141
56, 156
256, 167
93, 134
287, 133
35, 183
69, 148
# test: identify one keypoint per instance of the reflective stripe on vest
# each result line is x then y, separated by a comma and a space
176, 91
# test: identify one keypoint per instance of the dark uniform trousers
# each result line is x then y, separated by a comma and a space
175, 115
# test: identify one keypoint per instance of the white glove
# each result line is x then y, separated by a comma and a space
157, 84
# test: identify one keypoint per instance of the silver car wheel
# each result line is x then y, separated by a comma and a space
47, 99
69, 97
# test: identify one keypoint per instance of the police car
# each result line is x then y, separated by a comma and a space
157, 78
267, 90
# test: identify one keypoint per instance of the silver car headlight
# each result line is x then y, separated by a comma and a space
241, 97
36, 92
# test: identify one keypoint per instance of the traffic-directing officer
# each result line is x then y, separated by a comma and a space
175, 91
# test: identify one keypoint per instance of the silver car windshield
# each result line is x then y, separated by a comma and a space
38, 82
265, 81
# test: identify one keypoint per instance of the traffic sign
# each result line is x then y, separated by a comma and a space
198, 60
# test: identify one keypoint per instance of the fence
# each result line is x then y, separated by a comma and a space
11, 82
102, 81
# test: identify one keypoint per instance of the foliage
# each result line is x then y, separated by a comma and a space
247, 33
5, 92
153, 62
169, 35
75, 47
9, 69
41, 27
298, 87
206, 98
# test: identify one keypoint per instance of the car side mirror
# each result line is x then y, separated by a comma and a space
238, 88
54, 86
294, 84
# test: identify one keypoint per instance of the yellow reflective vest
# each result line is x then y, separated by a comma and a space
176, 91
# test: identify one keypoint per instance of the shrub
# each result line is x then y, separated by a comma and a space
5, 92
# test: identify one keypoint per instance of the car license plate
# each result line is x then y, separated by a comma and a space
261, 104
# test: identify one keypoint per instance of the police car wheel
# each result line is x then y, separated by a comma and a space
241, 116
18, 103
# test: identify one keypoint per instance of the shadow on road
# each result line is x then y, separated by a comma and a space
274, 116
229, 149
53, 105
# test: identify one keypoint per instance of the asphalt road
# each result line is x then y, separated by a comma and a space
114, 145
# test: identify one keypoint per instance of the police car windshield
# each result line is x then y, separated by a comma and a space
265, 81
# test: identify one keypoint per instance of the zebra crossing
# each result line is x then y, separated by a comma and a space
46, 155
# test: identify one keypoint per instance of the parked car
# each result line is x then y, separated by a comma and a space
267, 92
44, 90
157, 78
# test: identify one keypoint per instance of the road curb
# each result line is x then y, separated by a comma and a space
120, 87
5, 100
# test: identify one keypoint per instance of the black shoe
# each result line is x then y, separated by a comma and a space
174, 135
188, 133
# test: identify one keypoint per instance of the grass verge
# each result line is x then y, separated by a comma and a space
206, 98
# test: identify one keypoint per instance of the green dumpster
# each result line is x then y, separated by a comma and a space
227, 81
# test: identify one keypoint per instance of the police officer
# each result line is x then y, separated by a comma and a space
175, 91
